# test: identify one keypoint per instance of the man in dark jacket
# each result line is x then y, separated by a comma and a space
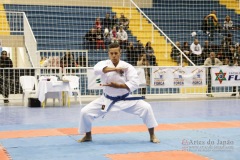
5, 62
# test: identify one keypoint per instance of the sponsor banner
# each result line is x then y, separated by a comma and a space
176, 77
225, 76
94, 81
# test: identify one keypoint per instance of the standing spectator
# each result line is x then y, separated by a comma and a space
91, 39
204, 26
98, 23
150, 54
123, 21
236, 62
100, 39
107, 21
5, 62
196, 51
144, 62
211, 61
213, 24
122, 38
113, 35
176, 54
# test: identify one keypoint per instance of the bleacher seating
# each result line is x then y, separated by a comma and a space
178, 22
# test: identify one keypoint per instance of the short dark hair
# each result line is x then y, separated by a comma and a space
4, 52
113, 45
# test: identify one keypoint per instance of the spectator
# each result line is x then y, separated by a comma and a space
131, 56
176, 54
113, 35
227, 41
123, 21
150, 53
196, 51
100, 39
213, 24
107, 21
122, 38
106, 35
204, 26
67, 60
91, 39
5, 62
211, 61
43, 62
144, 62
228, 24
115, 22
98, 23
186, 50
206, 50
139, 49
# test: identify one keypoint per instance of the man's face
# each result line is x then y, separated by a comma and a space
4, 55
114, 55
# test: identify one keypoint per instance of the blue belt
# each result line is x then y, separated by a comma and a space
121, 98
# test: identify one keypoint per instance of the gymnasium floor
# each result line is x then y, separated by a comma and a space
197, 129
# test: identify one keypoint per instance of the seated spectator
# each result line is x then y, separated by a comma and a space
122, 37
186, 49
67, 60
227, 41
196, 51
176, 54
99, 39
91, 39
43, 62
114, 35
53, 61
228, 24
139, 48
206, 50
98, 23
131, 57
123, 21
81, 61
226, 61
115, 22
236, 55
150, 54
106, 36
107, 21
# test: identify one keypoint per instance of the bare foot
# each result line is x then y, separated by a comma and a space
85, 139
154, 139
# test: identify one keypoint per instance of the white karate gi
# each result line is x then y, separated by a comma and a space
130, 78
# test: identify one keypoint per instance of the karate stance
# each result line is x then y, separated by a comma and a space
119, 79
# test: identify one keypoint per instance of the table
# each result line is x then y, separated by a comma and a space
53, 86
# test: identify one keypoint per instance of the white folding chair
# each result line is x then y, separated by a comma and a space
74, 85
29, 85
53, 95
